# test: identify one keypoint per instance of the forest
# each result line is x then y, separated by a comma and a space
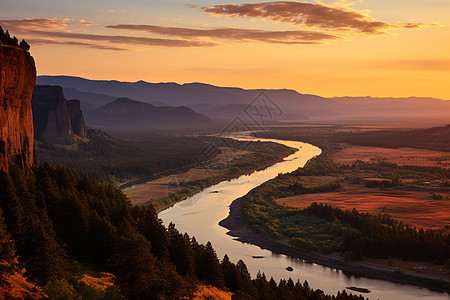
107, 158
259, 155
116, 159
325, 229
58, 225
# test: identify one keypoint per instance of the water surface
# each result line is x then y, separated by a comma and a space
200, 214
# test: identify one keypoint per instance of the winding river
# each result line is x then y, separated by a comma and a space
200, 214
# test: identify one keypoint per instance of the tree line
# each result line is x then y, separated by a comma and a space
7, 39
53, 220
326, 229
110, 159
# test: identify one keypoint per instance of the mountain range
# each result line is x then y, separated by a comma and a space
231, 102
127, 114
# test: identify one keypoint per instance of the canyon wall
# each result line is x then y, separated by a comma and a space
76, 118
56, 120
17, 80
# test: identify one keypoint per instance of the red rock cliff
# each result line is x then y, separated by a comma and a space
17, 79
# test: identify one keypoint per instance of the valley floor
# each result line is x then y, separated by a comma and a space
414, 202
233, 161
372, 269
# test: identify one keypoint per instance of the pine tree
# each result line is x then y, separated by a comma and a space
154, 231
181, 253
24, 45
210, 268
102, 237
136, 269
43, 256
7, 251
12, 208
231, 275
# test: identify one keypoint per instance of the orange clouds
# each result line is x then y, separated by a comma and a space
121, 39
57, 28
324, 23
235, 34
35, 24
44, 41
308, 14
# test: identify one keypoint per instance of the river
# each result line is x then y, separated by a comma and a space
200, 214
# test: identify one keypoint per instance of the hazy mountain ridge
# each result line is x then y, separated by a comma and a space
128, 114
229, 102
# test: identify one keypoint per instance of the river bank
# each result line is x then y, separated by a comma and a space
164, 191
200, 214
237, 229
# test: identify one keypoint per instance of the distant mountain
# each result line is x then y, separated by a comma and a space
231, 102
127, 114
204, 98
93, 100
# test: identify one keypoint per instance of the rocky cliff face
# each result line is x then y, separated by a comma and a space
76, 118
55, 120
17, 79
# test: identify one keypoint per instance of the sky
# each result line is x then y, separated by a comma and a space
376, 48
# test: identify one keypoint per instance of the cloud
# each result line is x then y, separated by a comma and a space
341, 18
44, 41
120, 39
235, 34
35, 24
31, 28
414, 25
86, 23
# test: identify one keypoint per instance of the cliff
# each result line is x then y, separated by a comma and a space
76, 118
55, 120
17, 79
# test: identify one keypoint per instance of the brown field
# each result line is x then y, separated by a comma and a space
164, 186
402, 156
411, 207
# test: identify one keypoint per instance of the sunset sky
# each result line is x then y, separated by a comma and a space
328, 48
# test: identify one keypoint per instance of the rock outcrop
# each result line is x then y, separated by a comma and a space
76, 118
17, 79
55, 120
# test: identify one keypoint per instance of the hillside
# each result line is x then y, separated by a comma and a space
127, 114
17, 78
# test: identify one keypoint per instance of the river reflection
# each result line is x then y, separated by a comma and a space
200, 214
